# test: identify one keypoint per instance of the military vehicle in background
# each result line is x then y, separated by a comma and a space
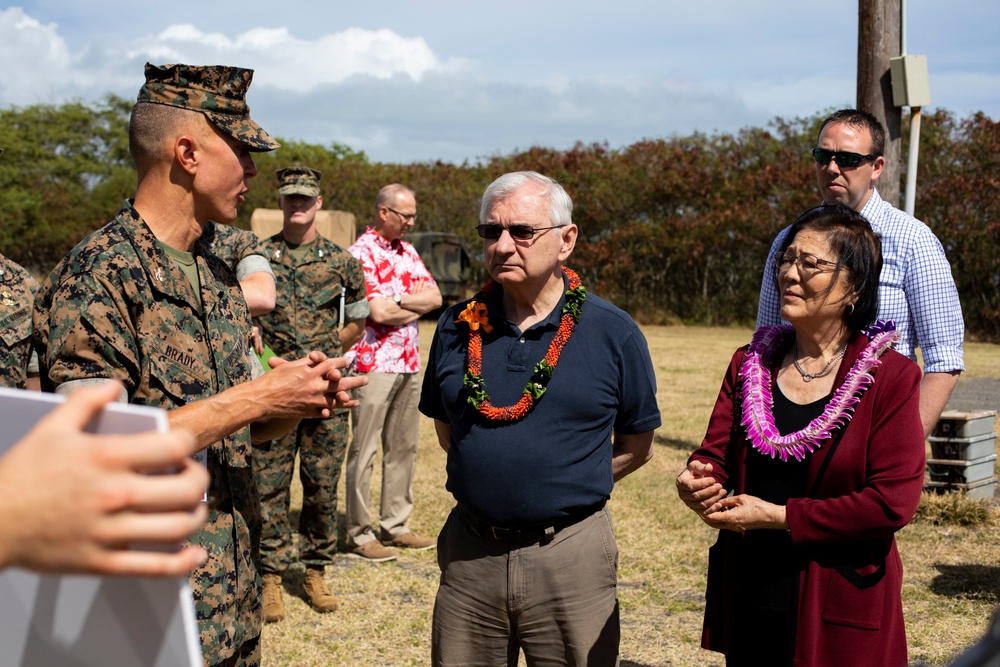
445, 257
443, 254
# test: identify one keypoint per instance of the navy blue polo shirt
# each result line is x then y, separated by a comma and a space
558, 458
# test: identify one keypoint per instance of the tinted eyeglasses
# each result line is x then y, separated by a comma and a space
411, 216
843, 158
518, 232
809, 265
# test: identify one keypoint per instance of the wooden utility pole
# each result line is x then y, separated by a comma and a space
878, 40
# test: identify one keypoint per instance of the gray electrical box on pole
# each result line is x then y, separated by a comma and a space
910, 87
910, 83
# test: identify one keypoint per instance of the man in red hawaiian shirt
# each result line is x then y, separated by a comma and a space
400, 290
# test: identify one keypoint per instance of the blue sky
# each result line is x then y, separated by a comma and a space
449, 80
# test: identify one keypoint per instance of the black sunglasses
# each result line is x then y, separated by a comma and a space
519, 232
843, 158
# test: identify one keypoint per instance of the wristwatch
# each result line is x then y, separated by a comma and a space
398, 299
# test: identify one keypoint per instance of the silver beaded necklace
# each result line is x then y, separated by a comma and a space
809, 377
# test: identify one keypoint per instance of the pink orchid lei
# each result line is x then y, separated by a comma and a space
758, 403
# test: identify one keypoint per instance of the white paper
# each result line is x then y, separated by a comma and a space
90, 621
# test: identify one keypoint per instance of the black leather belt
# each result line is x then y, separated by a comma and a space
524, 534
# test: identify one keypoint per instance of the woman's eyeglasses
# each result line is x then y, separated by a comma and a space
808, 264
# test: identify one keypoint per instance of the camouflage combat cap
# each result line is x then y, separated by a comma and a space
217, 91
298, 180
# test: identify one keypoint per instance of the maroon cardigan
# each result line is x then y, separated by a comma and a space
849, 592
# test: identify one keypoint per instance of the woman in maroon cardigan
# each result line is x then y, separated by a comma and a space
813, 459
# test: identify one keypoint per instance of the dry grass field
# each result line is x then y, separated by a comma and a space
951, 583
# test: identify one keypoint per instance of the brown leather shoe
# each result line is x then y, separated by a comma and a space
411, 541
320, 596
274, 605
373, 552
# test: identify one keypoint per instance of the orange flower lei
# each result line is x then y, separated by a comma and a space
475, 314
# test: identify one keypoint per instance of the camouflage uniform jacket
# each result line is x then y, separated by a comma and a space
237, 248
118, 307
307, 304
17, 293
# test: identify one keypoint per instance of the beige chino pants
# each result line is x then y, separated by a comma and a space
388, 415
556, 601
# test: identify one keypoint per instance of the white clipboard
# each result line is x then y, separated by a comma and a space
91, 621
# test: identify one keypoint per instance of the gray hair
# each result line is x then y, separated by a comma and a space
560, 204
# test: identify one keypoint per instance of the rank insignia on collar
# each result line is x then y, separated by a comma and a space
159, 274
7, 299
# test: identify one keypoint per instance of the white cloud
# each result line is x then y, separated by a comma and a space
454, 81
466, 116
34, 59
38, 67
288, 63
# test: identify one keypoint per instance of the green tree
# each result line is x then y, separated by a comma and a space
61, 176
673, 230
958, 178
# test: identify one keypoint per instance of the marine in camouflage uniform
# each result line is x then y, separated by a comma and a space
320, 290
244, 253
239, 248
121, 306
118, 307
17, 293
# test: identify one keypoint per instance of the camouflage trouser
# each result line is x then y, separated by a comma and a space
247, 655
320, 444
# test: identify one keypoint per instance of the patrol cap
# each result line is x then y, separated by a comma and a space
298, 180
217, 91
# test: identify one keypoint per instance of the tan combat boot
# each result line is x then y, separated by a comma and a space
320, 596
274, 605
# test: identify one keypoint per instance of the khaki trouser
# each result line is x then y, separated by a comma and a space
387, 415
557, 601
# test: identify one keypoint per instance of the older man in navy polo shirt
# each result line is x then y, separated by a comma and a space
543, 396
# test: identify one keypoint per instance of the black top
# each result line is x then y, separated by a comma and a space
768, 575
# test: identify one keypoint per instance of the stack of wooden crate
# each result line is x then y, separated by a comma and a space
962, 453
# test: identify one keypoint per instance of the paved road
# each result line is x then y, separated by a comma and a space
976, 394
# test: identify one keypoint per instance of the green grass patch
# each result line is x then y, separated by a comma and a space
951, 555
954, 509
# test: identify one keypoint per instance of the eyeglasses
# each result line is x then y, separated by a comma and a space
808, 264
517, 232
843, 158
407, 217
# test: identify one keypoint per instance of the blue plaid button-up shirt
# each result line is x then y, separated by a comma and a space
916, 290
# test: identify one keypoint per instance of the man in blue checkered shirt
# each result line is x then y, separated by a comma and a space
916, 290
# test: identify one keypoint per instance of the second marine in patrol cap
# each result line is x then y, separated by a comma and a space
320, 303
298, 180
